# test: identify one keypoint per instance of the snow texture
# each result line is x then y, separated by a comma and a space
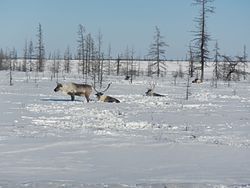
47, 140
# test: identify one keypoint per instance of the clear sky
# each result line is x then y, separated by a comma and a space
123, 23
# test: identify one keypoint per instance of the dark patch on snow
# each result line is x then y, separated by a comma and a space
59, 100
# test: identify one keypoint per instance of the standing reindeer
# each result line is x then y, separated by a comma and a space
73, 89
105, 98
151, 93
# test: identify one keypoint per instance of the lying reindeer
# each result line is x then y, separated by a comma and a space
196, 80
74, 89
151, 93
105, 98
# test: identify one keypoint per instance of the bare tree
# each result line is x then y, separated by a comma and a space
2, 58
188, 85
40, 50
109, 59
81, 47
101, 70
100, 57
89, 53
201, 35
157, 51
244, 62
30, 55
216, 64
191, 61
13, 57
149, 69
127, 62
118, 65
241, 66
175, 75
25, 57
67, 58
230, 69
10, 58
25, 61
132, 69
56, 65
180, 71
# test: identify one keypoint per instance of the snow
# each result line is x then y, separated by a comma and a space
47, 140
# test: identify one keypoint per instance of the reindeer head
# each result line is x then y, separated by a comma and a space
58, 87
149, 92
150, 89
100, 93
105, 98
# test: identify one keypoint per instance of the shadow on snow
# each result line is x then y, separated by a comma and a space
60, 100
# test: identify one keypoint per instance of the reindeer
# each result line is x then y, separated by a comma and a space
196, 80
151, 93
105, 98
74, 89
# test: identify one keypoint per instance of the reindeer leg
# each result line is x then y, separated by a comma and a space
87, 98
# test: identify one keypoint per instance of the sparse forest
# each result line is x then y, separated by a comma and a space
96, 114
93, 64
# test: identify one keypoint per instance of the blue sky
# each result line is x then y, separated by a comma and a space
123, 23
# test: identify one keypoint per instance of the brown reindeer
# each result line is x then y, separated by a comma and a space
74, 89
105, 98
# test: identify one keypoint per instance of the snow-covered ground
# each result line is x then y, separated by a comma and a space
46, 140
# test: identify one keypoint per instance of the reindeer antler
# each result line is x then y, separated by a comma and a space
107, 87
152, 85
104, 89
93, 85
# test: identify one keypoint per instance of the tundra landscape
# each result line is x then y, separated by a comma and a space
47, 140
124, 94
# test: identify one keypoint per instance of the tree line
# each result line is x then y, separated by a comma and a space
92, 61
